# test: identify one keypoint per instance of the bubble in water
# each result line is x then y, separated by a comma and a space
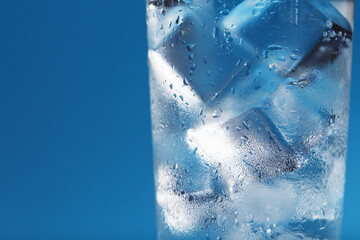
331, 33
329, 24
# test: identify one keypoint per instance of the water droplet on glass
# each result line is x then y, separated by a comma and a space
244, 138
294, 57
193, 66
191, 46
241, 41
281, 58
274, 47
224, 12
216, 114
256, 12
182, 33
186, 81
215, 32
265, 53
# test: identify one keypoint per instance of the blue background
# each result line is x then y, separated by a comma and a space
75, 143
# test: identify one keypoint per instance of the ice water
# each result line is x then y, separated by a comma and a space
249, 103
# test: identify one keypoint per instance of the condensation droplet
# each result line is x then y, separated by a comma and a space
191, 46
294, 57
274, 47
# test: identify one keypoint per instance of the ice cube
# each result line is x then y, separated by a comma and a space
321, 93
248, 89
243, 149
320, 181
284, 31
172, 84
293, 112
174, 104
315, 94
261, 210
267, 204
203, 53
263, 148
182, 211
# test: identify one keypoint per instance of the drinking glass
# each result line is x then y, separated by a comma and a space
249, 104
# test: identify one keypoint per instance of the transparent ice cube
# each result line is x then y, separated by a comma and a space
299, 122
242, 149
263, 148
174, 104
283, 31
250, 88
261, 210
203, 52
179, 214
305, 105
320, 180
265, 205
216, 149
184, 211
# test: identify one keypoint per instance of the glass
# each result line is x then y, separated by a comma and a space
249, 103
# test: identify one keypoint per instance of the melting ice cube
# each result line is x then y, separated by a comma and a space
313, 97
184, 212
203, 52
243, 148
295, 116
248, 89
263, 148
171, 83
174, 103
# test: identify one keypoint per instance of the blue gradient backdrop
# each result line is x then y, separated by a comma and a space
75, 144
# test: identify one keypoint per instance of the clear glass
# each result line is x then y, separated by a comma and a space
249, 103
